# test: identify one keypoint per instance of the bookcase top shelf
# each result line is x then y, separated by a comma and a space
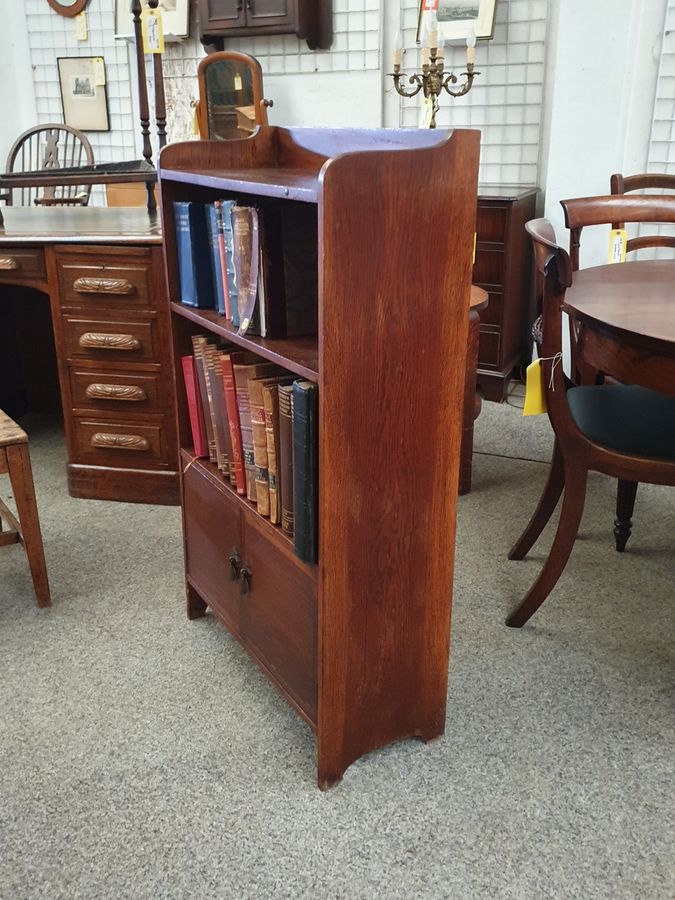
299, 355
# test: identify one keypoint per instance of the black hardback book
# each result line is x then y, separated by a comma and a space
305, 469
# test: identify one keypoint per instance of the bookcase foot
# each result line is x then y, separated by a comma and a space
326, 782
196, 607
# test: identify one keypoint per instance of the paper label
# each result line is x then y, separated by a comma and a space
475, 241
81, 28
535, 399
238, 83
426, 112
153, 30
99, 71
618, 239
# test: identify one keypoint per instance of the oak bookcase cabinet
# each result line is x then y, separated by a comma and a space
309, 19
358, 644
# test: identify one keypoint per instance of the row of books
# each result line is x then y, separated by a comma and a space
258, 424
233, 258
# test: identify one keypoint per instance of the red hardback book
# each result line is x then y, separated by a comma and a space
233, 418
195, 410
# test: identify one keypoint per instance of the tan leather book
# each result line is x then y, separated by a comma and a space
271, 408
256, 390
242, 375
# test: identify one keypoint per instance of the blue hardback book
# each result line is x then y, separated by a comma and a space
216, 268
194, 255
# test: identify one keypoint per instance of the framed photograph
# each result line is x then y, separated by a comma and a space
175, 18
456, 18
83, 92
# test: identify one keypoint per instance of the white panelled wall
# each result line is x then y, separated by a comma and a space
565, 96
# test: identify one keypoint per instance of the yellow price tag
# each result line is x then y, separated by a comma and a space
81, 27
152, 30
475, 241
238, 83
618, 240
535, 399
99, 71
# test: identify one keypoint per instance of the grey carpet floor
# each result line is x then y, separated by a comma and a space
142, 755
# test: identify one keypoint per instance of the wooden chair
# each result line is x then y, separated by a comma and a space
15, 461
49, 147
231, 103
620, 184
595, 429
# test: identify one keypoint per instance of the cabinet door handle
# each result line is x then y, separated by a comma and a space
129, 392
245, 576
120, 441
96, 341
8, 262
233, 560
112, 286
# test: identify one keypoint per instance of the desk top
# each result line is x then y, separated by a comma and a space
79, 225
635, 297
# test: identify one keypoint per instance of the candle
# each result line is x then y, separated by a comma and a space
470, 46
425, 56
398, 48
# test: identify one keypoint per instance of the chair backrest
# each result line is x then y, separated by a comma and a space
45, 147
649, 181
608, 210
231, 103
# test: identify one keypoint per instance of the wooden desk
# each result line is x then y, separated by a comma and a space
626, 316
103, 272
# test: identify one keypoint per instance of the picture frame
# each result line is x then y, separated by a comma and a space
175, 19
457, 18
84, 97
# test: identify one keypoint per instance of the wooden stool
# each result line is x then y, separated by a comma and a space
15, 460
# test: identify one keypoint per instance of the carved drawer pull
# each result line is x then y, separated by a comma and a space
8, 262
129, 392
96, 341
120, 441
118, 286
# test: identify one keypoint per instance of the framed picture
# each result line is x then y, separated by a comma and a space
175, 18
456, 18
83, 92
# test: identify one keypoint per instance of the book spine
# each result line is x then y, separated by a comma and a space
227, 208
195, 411
244, 405
216, 269
186, 275
199, 344
222, 257
261, 473
286, 457
221, 429
271, 410
305, 470
235, 429
200, 248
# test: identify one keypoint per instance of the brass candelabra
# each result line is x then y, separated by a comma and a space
433, 80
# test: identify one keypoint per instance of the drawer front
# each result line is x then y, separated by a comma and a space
118, 341
115, 443
115, 284
491, 223
488, 348
279, 616
212, 531
22, 263
114, 391
493, 312
489, 267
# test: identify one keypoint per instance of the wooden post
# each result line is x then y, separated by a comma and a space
143, 98
160, 99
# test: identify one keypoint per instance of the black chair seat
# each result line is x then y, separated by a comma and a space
626, 418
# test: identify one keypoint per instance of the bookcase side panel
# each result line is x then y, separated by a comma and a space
396, 238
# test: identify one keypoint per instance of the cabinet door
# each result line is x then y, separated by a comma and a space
271, 12
212, 532
222, 14
279, 615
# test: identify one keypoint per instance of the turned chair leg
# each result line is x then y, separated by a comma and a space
625, 504
544, 511
21, 477
570, 518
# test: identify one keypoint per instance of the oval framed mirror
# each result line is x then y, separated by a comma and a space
68, 7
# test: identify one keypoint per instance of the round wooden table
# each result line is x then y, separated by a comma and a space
626, 318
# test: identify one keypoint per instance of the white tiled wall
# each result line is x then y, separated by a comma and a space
662, 140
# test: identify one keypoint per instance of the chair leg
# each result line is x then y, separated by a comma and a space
570, 518
544, 511
625, 504
21, 476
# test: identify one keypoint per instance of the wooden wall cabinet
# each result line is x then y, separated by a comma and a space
309, 19
503, 267
357, 644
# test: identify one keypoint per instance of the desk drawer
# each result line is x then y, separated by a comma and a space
19, 263
120, 444
117, 283
114, 391
133, 340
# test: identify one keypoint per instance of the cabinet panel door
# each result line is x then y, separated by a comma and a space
222, 14
212, 531
271, 12
279, 617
